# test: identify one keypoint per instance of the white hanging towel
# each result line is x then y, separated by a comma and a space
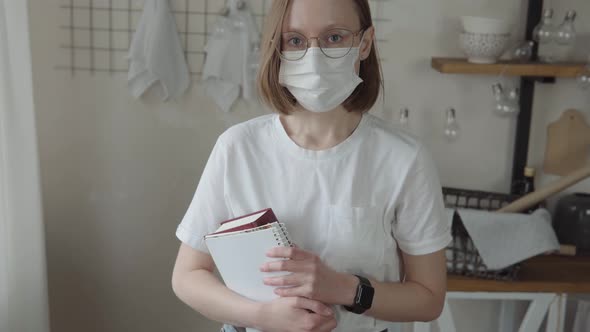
503, 239
156, 55
227, 71
222, 71
582, 319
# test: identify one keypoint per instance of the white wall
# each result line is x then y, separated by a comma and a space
552, 100
118, 173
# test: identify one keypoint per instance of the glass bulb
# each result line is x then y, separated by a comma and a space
524, 52
566, 32
514, 101
506, 104
584, 80
451, 129
543, 32
404, 117
498, 91
500, 99
583, 77
514, 95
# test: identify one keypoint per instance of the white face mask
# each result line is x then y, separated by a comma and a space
320, 83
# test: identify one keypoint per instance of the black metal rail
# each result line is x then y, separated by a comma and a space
527, 95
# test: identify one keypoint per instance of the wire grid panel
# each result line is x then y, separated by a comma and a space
96, 34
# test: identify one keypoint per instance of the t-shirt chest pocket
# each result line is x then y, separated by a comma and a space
357, 238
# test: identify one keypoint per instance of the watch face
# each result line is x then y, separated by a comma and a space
366, 296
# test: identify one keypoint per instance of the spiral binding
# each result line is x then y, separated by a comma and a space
282, 236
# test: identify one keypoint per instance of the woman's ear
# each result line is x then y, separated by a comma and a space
367, 43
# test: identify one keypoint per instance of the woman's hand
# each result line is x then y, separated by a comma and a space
310, 277
296, 314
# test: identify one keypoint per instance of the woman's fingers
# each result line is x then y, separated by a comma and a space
294, 253
282, 265
294, 260
301, 291
315, 306
294, 279
328, 325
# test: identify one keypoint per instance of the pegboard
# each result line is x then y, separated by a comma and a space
96, 34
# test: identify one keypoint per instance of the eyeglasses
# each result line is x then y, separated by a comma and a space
335, 43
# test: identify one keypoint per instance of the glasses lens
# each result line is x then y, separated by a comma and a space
293, 45
336, 43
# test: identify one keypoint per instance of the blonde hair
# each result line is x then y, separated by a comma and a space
279, 98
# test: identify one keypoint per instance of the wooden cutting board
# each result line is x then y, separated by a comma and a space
568, 144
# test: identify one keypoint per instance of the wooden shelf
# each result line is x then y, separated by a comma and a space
508, 68
551, 274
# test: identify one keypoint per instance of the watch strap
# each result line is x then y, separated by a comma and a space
364, 294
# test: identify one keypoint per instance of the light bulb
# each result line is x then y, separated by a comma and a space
451, 129
524, 52
506, 104
498, 92
583, 77
543, 32
404, 117
514, 101
566, 32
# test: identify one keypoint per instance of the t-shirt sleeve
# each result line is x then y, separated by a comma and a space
420, 226
208, 207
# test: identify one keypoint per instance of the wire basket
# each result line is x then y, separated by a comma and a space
462, 255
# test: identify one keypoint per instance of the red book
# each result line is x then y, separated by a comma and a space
248, 221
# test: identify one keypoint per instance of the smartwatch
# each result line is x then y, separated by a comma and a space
364, 296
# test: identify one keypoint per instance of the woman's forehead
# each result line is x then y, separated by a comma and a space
315, 16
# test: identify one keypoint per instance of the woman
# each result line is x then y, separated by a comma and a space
361, 199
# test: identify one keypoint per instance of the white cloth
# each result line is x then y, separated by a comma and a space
24, 305
156, 54
222, 71
582, 319
229, 67
503, 239
353, 204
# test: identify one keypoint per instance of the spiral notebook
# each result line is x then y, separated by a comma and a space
239, 255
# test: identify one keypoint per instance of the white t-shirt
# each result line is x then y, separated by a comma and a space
353, 205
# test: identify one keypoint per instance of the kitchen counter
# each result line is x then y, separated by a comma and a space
548, 274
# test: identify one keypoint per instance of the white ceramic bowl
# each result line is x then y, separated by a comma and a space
483, 48
487, 25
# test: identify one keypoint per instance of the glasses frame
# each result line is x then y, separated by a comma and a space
308, 41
